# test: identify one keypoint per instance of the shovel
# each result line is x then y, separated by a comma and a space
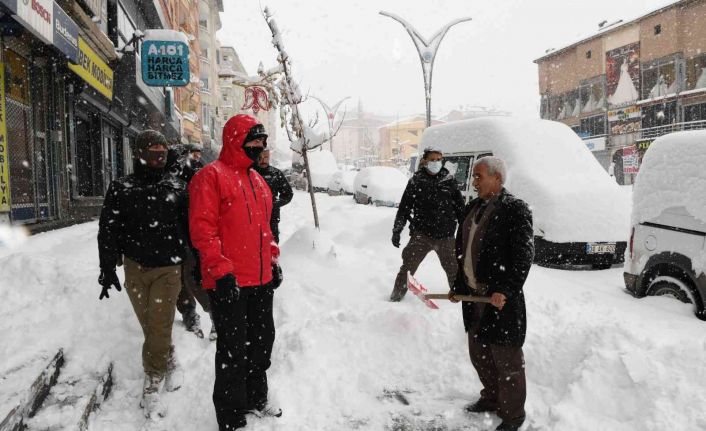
420, 292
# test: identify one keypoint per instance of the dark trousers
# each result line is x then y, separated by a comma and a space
246, 333
191, 290
501, 370
414, 253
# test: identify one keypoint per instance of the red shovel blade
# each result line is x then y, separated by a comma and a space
416, 287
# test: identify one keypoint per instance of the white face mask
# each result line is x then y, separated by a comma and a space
434, 167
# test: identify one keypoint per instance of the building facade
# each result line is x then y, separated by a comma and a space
71, 105
630, 83
399, 140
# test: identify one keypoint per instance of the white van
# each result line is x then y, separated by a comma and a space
667, 246
581, 216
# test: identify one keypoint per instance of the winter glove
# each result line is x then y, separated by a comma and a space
107, 279
227, 289
396, 239
276, 275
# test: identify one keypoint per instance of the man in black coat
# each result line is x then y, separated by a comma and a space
495, 248
433, 205
144, 225
281, 190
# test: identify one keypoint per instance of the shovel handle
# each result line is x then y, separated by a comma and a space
466, 298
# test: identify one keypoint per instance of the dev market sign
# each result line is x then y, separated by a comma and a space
165, 59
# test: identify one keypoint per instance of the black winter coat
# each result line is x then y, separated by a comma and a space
433, 204
505, 258
145, 218
282, 193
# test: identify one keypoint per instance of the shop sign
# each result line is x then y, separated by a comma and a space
624, 114
165, 63
595, 144
631, 162
93, 69
4, 161
10, 4
65, 34
37, 16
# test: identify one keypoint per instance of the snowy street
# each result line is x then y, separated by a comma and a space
347, 359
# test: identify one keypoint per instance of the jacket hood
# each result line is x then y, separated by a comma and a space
234, 133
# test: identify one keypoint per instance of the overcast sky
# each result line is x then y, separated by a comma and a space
345, 48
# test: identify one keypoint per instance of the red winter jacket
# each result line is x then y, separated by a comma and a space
229, 214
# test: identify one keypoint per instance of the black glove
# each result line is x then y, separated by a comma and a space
107, 279
227, 289
396, 239
276, 275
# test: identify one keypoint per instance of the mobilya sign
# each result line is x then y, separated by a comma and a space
93, 70
65, 34
4, 162
165, 59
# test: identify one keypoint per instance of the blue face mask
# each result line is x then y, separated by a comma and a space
434, 167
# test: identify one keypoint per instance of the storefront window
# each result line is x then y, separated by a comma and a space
659, 115
659, 78
696, 73
695, 112
593, 126
592, 95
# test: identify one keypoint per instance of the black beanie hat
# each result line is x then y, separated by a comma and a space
147, 138
257, 131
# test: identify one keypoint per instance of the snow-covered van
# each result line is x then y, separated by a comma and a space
667, 246
581, 215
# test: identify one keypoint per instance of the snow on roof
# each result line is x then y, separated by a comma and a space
166, 35
411, 119
549, 167
609, 29
672, 175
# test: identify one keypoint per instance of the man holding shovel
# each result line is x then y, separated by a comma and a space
495, 248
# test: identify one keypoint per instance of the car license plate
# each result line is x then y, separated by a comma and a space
600, 248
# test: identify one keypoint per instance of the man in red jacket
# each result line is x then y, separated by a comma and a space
229, 222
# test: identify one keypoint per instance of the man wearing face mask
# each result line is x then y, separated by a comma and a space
144, 225
229, 220
433, 205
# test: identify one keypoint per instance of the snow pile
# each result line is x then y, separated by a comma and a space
572, 197
323, 165
12, 236
672, 175
381, 183
345, 357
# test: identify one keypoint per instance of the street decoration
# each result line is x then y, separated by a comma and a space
256, 99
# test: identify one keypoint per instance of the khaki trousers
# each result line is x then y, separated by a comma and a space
153, 293
501, 370
414, 253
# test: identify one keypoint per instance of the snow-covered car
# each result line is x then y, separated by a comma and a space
323, 166
667, 253
379, 185
341, 183
581, 216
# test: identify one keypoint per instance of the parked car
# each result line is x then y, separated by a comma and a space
667, 254
581, 216
323, 166
379, 185
341, 183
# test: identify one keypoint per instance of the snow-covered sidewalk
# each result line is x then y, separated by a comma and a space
596, 357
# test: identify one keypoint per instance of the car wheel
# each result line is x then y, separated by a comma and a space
669, 286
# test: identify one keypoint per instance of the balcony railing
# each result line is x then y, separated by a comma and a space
655, 132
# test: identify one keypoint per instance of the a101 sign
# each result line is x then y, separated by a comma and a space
165, 63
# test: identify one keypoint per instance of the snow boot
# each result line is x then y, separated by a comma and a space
175, 374
482, 406
192, 322
213, 336
151, 402
513, 425
267, 411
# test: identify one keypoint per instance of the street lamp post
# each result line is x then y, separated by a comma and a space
331, 116
427, 51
